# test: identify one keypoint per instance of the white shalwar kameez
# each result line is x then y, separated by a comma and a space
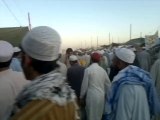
95, 85
11, 83
155, 73
132, 104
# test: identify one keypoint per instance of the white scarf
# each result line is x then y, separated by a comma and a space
51, 86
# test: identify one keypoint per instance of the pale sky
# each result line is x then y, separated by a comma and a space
78, 21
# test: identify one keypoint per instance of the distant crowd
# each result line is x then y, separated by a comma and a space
39, 83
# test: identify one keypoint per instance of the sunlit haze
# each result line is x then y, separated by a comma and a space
81, 22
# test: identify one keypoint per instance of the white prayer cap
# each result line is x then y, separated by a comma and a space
125, 55
6, 51
16, 49
73, 58
42, 43
79, 51
99, 52
102, 52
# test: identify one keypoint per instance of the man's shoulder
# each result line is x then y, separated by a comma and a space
13, 74
78, 67
18, 75
132, 89
38, 109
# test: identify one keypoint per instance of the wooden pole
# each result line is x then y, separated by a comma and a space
29, 21
130, 31
109, 39
97, 42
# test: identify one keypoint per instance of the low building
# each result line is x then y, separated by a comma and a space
13, 35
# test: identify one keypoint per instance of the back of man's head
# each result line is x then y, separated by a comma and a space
95, 57
126, 55
42, 45
123, 57
73, 59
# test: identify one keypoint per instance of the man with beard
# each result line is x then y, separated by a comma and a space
133, 95
47, 97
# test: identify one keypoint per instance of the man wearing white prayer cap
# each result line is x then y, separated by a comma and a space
126, 55
75, 74
11, 82
129, 98
48, 96
73, 58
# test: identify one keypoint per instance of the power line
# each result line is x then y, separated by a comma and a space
11, 12
19, 8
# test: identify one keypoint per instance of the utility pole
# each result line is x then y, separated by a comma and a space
109, 39
29, 21
118, 39
130, 31
97, 42
141, 35
81, 44
91, 42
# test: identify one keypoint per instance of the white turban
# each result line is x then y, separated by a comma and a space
99, 52
6, 51
102, 52
73, 58
125, 55
42, 43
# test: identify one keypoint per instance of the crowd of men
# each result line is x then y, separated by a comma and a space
38, 83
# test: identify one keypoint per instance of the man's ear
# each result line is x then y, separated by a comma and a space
28, 60
119, 64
